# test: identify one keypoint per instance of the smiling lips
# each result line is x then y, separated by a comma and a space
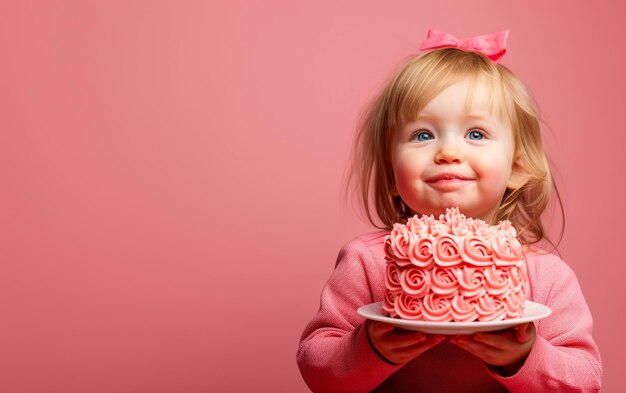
447, 177
447, 182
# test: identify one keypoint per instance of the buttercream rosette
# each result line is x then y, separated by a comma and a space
454, 269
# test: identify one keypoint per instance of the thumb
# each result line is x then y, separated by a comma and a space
380, 327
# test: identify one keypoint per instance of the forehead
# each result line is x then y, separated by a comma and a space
412, 94
465, 96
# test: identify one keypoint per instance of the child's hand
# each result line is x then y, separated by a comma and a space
506, 349
399, 346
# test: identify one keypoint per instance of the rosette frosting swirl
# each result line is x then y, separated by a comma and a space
463, 309
447, 251
392, 277
476, 251
436, 309
415, 281
507, 251
397, 244
389, 303
408, 307
497, 281
490, 309
421, 252
443, 282
471, 282
453, 269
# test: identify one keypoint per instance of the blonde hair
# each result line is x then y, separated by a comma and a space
400, 101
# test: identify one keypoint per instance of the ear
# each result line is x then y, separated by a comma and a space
518, 177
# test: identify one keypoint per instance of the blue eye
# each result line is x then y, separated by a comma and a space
422, 136
476, 135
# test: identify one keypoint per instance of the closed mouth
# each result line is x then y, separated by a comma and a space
447, 177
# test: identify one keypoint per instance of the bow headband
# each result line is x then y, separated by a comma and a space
491, 45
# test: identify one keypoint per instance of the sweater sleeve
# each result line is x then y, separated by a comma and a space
334, 353
564, 358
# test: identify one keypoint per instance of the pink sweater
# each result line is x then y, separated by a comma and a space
335, 356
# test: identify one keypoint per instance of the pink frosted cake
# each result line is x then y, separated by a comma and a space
454, 269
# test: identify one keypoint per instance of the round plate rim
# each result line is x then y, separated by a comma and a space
373, 311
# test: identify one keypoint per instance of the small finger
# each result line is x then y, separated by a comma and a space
479, 349
523, 332
461, 339
417, 349
429, 342
458, 340
405, 340
496, 340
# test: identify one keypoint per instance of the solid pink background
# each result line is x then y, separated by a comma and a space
172, 175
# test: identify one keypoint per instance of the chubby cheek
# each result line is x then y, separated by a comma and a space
494, 172
407, 175
403, 173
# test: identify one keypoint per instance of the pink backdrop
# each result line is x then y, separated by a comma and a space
172, 174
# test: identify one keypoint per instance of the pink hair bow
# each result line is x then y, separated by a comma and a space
491, 45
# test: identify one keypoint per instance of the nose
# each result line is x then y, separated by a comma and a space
448, 155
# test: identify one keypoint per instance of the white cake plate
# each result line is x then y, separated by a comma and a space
533, 312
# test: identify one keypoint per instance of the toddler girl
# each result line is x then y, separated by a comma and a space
452, 129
